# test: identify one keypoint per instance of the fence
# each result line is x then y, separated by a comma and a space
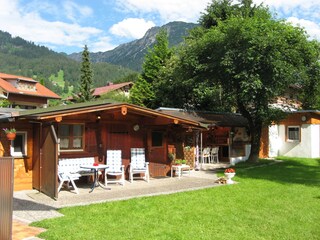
6, 197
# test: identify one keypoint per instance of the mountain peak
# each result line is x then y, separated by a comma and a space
131, 54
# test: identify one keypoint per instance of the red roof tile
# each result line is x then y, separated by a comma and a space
10, 76
102, 90
41, 91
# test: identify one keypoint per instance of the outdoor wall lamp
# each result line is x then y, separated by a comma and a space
136, 127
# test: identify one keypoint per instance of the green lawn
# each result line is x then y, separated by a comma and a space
279, 201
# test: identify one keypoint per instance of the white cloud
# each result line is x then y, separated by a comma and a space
306, 14
168, 10
74, 11
101, 45
31, 26
312, 28
131, 28
309, 9
289, 4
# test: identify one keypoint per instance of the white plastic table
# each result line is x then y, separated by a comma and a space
179, 169
96, 174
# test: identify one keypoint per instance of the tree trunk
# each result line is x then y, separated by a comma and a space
255, 142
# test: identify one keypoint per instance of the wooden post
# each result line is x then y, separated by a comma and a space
6, 197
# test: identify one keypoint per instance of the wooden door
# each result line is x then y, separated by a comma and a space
118, 138
49, 163
157, 153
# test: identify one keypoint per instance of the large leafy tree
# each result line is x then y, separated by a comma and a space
86, 83
177, 85
155, 60
253, 58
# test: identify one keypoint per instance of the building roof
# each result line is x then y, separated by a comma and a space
13, 77
208, 118
110, 87
98, 106
40, 90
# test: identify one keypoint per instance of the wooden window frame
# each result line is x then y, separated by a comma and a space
72, 137
24, 148
299, 133
152, 138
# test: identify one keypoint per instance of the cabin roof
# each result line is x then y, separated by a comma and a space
208, 118
97, 106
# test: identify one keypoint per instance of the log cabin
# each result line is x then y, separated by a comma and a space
88, 130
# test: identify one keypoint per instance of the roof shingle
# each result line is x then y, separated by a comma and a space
41, 91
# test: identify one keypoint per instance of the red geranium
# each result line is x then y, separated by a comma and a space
230, 170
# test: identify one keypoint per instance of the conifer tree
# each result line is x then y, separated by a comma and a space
144, 91
86, 83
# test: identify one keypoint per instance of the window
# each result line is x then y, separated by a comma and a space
157, 139
71, 137
19, 145
293, 133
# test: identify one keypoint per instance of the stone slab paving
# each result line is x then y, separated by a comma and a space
30, 206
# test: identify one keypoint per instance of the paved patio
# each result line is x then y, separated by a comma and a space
30, 206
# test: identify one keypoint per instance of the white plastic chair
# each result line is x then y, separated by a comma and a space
206, 155
138, 164
215, 154
115, 167
67, 177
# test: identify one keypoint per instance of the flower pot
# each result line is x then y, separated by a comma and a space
11, 136
229, 177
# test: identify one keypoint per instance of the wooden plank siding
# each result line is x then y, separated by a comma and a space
22, 166
6, 197
264, 143
105, 127
23, 98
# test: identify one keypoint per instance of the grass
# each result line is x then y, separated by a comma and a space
279, 201
58, 79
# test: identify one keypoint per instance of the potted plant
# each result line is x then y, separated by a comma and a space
230, 173
10, 133
171, 156
183, 161
178, 161
187, 148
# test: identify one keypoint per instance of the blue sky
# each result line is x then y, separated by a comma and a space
67, 25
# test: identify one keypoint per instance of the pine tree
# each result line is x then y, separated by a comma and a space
143, 92
86, 83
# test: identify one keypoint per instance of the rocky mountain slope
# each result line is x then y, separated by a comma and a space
131, 54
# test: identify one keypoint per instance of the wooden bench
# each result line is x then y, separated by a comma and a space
69, 170
73, 165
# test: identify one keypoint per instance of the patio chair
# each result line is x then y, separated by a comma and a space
67, 177
206, 155
215, 154
115, 167
138, 164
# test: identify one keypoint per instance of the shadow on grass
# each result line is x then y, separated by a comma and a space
290, 170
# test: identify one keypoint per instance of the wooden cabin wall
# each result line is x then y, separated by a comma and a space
264, 143
22, 166
121, 136
111, 131
36, 156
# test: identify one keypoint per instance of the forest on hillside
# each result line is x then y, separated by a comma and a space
24, 58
